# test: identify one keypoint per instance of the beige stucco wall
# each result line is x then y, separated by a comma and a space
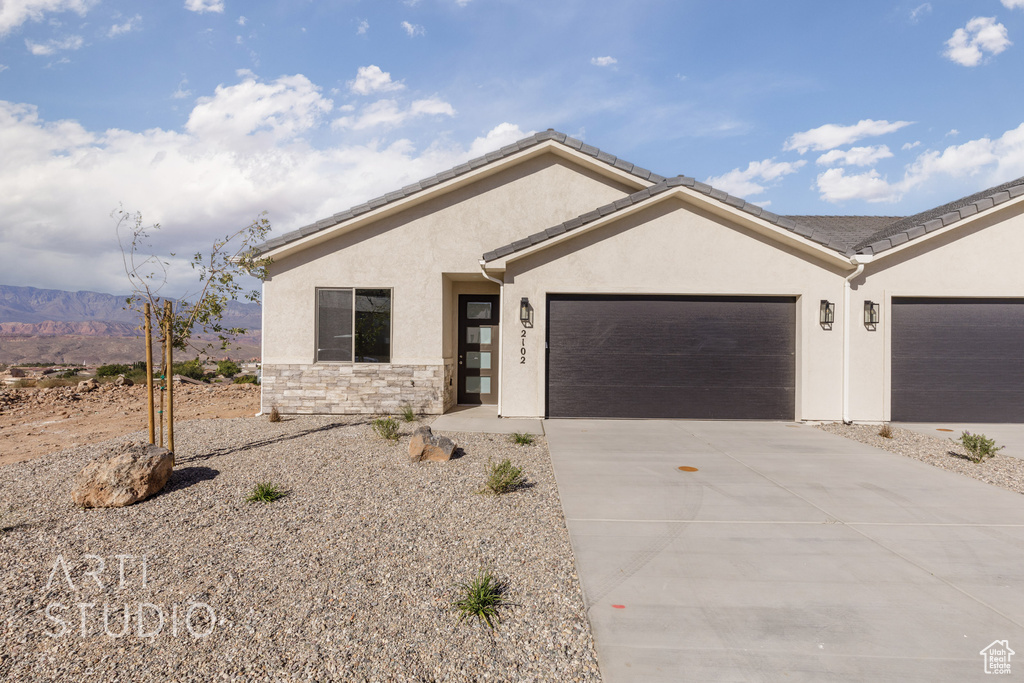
410, 252
981, 259
675, 248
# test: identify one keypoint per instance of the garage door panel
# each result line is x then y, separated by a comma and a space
957, 360
668, 403
672, 370
691, 357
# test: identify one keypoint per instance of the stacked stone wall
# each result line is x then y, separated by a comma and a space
362, 388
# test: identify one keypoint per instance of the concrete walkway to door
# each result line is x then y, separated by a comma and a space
789, 555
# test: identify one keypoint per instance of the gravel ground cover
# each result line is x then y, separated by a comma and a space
350, 577
1001, 470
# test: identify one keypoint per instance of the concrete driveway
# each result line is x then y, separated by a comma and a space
790, 555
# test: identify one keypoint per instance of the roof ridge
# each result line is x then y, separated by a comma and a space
454, 172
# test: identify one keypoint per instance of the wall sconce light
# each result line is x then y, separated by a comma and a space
524, 310
827, 316
872, 313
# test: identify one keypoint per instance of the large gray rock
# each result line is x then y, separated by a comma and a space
134, 472
86, 386
426, 446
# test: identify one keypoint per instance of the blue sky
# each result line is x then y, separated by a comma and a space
202, 113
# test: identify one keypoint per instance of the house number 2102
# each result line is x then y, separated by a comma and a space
522, 349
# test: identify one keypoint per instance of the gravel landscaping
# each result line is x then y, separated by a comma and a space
349, 577
1002, 470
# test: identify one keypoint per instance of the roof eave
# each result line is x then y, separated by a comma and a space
885, 248
733, 213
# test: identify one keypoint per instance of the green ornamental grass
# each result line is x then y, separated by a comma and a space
481, 597
266, 492
386, 428
522, 438
503, 478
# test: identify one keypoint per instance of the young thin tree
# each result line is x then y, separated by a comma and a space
198, 311
201, 310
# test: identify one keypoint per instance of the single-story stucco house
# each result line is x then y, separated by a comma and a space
554, 279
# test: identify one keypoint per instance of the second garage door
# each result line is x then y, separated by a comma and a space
671, 357
957, 360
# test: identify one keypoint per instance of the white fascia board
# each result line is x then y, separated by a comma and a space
391, 208
987, 213
699, 199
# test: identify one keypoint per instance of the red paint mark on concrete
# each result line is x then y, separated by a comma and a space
619, 606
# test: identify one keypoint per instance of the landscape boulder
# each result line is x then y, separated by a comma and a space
131, 472
123, 381
88, 385
426, 446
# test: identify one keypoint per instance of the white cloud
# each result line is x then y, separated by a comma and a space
182, 92
748, 181
371, 79
855, 156
603, 61
126, 27
241, 20
4, 67
982, 35
920, 11
363, 27
14, 13
462, 3
202, 6
953, 132
991, 161
835, 186
388, 113
52, 46
910, 145
413, 30
193, 181
1013, 4
252, 110
833, 135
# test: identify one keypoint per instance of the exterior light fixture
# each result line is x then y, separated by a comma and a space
827, 316
872, 313
524, 310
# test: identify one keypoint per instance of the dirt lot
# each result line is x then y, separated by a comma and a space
34, 422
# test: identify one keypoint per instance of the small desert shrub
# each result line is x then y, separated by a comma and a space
266, 492
192, 369
503, 478
481, 598
886, 431
386, 428
112, 370
274, 415
68, 374
56, 382
408, 414
227, 368
522, 438
244, 379
978, 446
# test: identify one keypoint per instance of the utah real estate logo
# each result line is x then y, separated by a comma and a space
997, 657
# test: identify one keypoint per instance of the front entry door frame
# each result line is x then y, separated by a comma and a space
479, 335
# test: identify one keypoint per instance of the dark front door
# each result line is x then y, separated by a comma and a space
957, 360
698, 357
478, 349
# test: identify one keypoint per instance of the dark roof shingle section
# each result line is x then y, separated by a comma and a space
919, 224
461, 169
842, 232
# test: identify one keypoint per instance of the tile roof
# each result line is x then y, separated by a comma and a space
461, 169
842, 232
848, 235
917, 225
835, 232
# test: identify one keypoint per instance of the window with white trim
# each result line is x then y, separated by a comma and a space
353, 325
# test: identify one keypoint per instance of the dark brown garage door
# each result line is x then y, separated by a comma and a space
671, 357
957, 360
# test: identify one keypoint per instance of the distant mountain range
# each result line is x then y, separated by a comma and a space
54, 325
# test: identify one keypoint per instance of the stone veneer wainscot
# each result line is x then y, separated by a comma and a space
361, 388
